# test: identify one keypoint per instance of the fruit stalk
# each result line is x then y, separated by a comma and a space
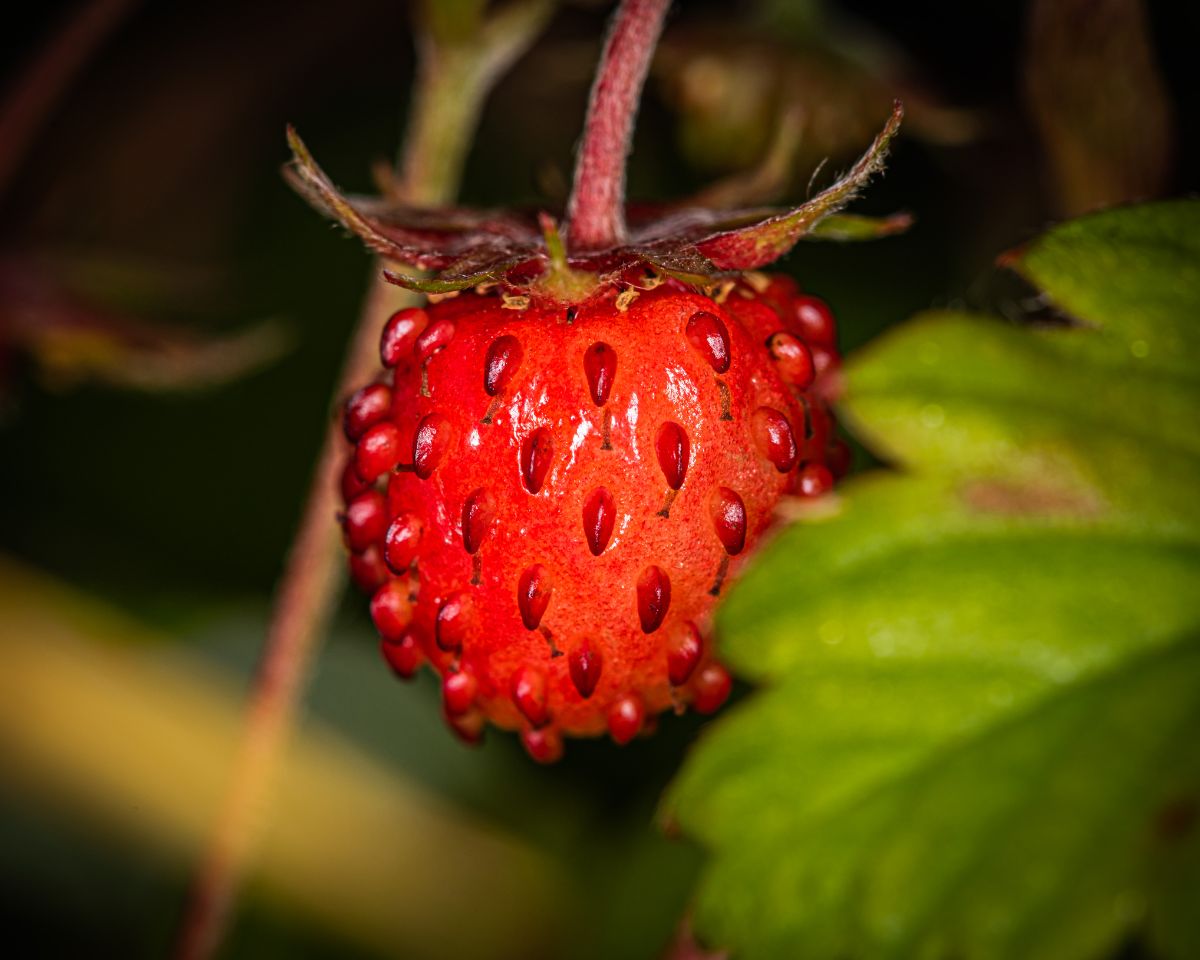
314, 575
596, 211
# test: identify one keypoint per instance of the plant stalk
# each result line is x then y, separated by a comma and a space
596, 211
312, 581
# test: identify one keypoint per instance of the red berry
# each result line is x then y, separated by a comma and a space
673, 447
599, 515
437, 336
537, 453
452, 624
476, 519
577, 487
653, 598
634, 376
534, 590
429, 444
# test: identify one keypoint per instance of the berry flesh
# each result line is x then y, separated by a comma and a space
547, 500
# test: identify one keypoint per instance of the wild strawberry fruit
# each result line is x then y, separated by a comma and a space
578, 442
572, 488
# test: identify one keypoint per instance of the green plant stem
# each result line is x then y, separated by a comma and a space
450, 90
455, 74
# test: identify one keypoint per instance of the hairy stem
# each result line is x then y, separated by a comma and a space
596, 212
452, 83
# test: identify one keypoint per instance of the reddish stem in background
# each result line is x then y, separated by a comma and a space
596, 212
311, 581
36, 90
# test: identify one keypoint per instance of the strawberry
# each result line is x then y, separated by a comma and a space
560, 493
582, 437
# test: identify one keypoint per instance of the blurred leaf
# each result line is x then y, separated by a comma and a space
1100, 103
814, 83
758, 244
451, 21
105, 724
981, 733
843, 227
768, 179
74, 337
1136, 273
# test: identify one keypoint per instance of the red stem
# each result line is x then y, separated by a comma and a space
310, 585
596, 212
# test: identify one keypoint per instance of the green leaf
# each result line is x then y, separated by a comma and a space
979, 733
1059, 410
1136, 273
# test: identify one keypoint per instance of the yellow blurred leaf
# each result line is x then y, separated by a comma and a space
112, 727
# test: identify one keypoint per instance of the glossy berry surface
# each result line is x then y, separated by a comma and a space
559, 494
